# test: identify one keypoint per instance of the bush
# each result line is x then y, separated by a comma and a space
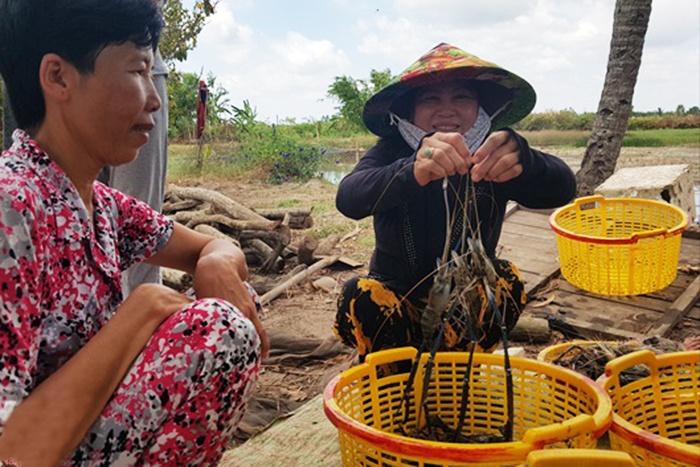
666, 121
562, 120
279, 157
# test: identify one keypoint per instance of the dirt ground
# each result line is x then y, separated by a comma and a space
307, 311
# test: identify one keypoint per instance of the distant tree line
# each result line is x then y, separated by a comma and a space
563, 120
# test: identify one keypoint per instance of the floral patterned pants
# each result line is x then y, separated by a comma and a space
180, 402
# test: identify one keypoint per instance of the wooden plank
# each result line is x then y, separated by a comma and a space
690, 252
594, 331
530, 217
597, 311
638, 301
677, 311
526, 255
533, 219
535, 267
673, 291
513, 235
543, 211
532, 280
527, 241
305, 438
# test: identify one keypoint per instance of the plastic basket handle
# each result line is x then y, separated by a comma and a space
580, 424
390, 356
618, 365
651, 233
588, 199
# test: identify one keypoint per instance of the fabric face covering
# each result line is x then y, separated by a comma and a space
473, 137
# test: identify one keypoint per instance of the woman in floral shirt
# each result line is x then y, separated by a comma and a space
85, 376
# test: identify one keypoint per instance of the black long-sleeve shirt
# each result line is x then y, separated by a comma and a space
410, 220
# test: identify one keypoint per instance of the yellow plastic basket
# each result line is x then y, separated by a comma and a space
551, 353
568, 355
656, 419
619, 246
578, 458
553, 407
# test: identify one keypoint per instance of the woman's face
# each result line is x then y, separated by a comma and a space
449, 106
113, 109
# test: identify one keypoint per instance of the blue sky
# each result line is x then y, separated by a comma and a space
281, 55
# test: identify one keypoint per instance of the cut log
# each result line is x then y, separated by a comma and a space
176, 280
305, 250
284, 237
222, 202
170, 197
301, 223
300, 218
279, 213
269, 237
326, 245
252, 257
233, 224
282, 279
183, 217
265, 251
532, 330
677, 310
180, 205
274, 293
209, 230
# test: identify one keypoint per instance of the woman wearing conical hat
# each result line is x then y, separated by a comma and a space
444, 144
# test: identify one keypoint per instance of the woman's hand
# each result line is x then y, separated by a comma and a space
218, 275
445, 154
219, 270
498, 159
441, 155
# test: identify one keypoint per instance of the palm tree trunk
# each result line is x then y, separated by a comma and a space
629, 28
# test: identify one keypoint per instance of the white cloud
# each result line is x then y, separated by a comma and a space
462, 13
284, 68
307, 55
222, 37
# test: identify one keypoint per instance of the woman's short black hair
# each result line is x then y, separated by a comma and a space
76, 30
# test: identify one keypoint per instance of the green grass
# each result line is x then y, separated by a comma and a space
568, 138
221, 161
288, 203
633, 138
662, 138
225, 159
362, 140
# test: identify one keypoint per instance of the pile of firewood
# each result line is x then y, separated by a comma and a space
263, 234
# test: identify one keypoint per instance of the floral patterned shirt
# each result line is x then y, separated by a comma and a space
60, 274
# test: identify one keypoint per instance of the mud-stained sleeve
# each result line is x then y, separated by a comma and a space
21, 316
